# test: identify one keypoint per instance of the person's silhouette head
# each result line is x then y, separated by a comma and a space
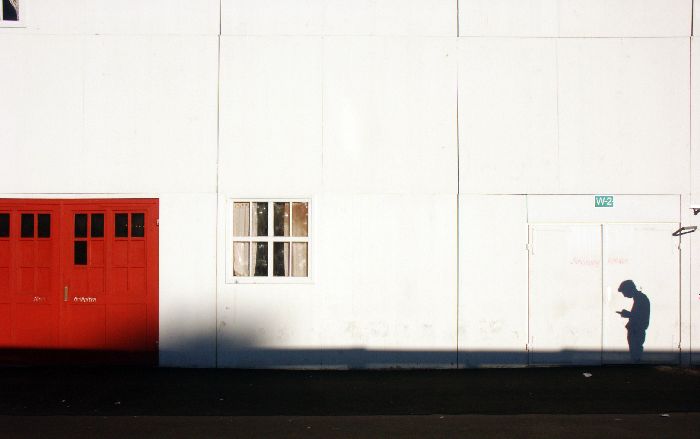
628, 288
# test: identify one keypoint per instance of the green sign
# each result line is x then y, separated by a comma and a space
604, 201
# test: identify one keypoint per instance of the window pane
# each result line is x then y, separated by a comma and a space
44, 225
300, 257
259, 226
80, 229
80, 252
27, 225
4, 225
300, 218
121, 225
137, 225
241, 219
260, 258
241, 258
280, 259
10, 9
281, 219
97, 225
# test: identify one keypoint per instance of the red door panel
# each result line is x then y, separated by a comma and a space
34, 326
127, 326
84, 326
34, 275
5, 296
84, 303
79, 278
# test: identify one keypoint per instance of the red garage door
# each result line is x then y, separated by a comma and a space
79, 281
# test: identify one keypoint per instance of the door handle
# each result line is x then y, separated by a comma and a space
65, 293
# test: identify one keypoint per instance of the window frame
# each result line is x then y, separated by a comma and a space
270, 239
13, 24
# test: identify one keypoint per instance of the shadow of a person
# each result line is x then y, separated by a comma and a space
638, 318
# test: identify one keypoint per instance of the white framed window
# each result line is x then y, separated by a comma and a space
11, 15
268, 240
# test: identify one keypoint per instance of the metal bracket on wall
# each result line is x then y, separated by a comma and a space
685, 230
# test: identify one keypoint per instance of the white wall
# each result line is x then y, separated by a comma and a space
187, 297
694, 153
380, 114
493, 280
112, 114
338, 17
389, 115
694, 199
693, 302
623, 107
271, 113
388, 273
574, 115
508, 127
575, 18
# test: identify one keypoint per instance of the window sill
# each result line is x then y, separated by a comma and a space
12, 25
269, 281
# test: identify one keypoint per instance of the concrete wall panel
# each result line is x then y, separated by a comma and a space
623, 115
507, 115
624, 18
269, 325
580, 115
694, 156
271, 120
187, 280
109, 114
493, 273
42, 113
693, 243
533, 18
389, 111
338, 17
575, 18
693, 301
388, 269
150, 111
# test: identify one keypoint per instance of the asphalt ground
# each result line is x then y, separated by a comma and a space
643, 401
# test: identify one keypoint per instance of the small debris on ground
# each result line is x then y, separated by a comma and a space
665, 415
587, 375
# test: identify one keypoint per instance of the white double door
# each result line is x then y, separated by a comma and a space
575, 271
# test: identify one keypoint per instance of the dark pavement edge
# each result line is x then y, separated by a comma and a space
230, 392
